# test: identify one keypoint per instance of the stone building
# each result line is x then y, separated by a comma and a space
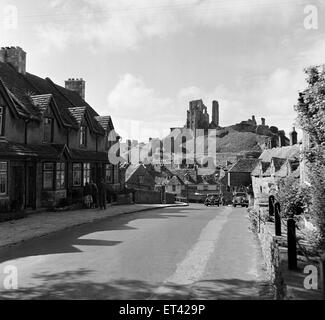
274, 165
51, 140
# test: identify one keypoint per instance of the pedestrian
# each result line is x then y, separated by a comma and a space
88, 200
102, 194
94, 194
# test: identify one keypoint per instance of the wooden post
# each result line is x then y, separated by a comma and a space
292, 246
277, 219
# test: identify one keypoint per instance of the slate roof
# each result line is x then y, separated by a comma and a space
186, 175
290, 152
19, 90
32, 151
244, 165
86, 155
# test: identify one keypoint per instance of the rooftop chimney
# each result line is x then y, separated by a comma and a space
263, 121
77, 85
293, 137
15, 56
254, 119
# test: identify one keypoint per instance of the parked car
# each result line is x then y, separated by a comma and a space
212, 200
240, 199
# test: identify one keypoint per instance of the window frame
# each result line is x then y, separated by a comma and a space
109, 169
2, 120
83, 136
48, 170
57, 171
51, 125
60, 170
86, 172
79, 171
5, 173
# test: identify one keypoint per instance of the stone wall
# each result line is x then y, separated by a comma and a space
272, 252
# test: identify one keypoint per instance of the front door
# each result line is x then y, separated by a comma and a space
17, 187
31, 187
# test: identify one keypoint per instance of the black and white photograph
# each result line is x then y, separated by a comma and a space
162, 151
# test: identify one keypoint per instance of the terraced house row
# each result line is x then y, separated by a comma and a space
51, 140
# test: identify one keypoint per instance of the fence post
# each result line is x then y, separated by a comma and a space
277, 219
292, 246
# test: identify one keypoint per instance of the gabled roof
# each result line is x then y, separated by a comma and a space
42, 102
262, 168
244, 165
105, 122
186, 175
175, 180
278, 163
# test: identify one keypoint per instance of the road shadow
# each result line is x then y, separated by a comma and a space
65, 241
73, 285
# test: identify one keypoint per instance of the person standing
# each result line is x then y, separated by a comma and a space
102, 194
94, 193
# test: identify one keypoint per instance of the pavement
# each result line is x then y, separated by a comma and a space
185, 253
43, 223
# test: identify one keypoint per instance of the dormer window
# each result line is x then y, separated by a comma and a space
83, 136
2, 121
48, 127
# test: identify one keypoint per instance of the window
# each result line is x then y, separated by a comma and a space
53, 176
3, 177
141, 179
48, 130
48, 176
174, 188
109, 173
83, 136
2, 114
60, 176
76, 174
86, 173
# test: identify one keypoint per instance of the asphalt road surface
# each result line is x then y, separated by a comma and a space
175, 253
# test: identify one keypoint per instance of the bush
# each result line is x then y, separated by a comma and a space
293, 198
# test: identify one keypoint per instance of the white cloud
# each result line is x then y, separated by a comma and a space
124, 24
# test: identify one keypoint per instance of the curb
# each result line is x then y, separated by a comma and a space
6, 246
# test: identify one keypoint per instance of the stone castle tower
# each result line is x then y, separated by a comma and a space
198, 117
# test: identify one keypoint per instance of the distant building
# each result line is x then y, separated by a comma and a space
272, 166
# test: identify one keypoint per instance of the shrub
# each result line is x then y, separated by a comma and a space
293, 198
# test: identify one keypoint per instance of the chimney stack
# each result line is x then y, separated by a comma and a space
293, 137
15, 56
215, 112
254, 119
263, 121
77, 85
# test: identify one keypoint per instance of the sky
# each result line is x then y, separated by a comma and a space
144, 60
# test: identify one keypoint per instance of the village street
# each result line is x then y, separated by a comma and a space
173, 253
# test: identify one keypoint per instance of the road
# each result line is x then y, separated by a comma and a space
175, 253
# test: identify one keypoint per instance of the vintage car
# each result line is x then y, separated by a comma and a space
212, 199
240, 199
